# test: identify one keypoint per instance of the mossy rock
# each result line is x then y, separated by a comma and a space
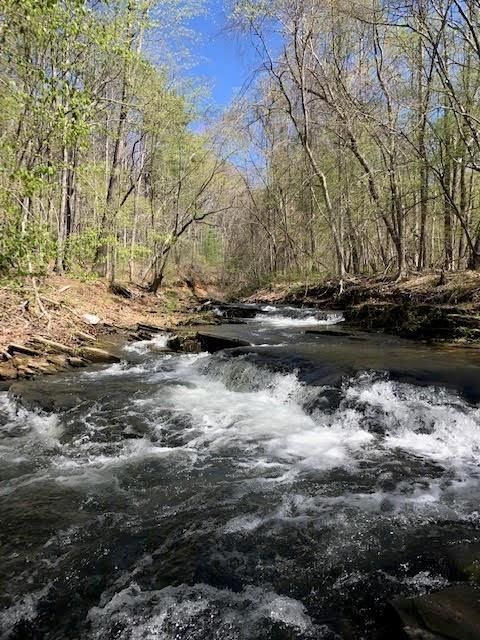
464, 561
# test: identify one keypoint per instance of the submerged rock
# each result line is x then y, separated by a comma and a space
37, 395
464, 561
185, 343
212, 342
451, 613
330, 332
76, 362
130, 433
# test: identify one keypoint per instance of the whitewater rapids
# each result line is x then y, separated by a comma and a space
221, 497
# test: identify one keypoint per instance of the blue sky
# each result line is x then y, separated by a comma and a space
222, 60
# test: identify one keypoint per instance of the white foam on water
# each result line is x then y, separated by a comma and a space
268, 420
429, 423
330, 468
455, 439
25, 609
285, 321
234, 407
115, 369
41, 428
169, 613
128, 451
142, 347
425, 581
258, 419
244, 523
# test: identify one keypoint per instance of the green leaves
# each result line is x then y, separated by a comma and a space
99, 161
26, 248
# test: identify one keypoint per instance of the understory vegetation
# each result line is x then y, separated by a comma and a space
353, 148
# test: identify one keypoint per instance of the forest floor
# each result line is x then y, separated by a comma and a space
434, 306
70, 322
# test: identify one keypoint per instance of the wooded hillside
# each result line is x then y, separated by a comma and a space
366, 116
102, 172
353, 150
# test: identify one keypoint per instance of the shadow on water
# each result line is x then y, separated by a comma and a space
285, 490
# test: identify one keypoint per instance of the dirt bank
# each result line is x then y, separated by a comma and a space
69, 323
436, 306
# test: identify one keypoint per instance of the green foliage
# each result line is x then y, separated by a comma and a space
211, 248
138, 253
26, 248
88, 110
80, 251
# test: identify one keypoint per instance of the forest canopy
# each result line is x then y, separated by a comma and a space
353, 150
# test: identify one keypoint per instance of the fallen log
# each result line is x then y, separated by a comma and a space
149, 328
86, 337
51, 345
121, 290
20, 348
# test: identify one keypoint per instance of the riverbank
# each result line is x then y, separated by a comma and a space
436, 306
68, 323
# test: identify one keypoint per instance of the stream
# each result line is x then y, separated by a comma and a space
286, 490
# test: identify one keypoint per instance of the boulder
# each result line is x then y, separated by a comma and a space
8, 371
186, 343
237, 310
76, 362
59, 360
42, 366
174, 343
91, 318
212, 342
189, 343
25, 371
464, 561
452, 613
94, 354
149, 328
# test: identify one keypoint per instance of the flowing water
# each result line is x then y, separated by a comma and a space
284, 491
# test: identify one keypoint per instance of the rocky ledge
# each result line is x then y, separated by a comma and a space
419, 321
41, 356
